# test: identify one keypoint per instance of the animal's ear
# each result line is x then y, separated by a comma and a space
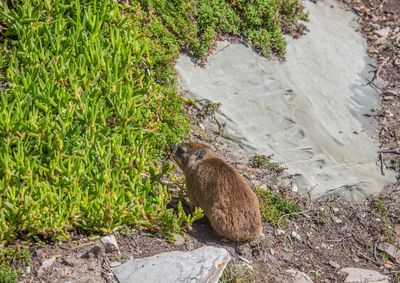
200, 153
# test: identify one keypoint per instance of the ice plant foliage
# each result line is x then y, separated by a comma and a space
88, 104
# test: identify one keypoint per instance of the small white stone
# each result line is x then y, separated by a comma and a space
334, 264
114, 264
179, 240
335, 209
280, 232
28, 270
47, 263
295, 188
337, 220
110, 244
272, 251
295, 236
383, 32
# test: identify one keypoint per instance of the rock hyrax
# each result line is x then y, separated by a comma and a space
224, 195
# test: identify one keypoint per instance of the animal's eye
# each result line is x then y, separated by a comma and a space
200, 154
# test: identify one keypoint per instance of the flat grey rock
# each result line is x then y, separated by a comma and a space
299, 277
359, 275
179, 240
205, 264
383, 32
310, 112
47, 263
110, 244
391, 250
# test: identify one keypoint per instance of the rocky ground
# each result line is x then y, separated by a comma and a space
327, 236
380, 24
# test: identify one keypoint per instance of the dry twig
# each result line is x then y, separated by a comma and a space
381, 163
378, 71
106, 265
390, 151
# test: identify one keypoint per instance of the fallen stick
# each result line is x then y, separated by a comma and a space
390, 151
378, 71
381, 161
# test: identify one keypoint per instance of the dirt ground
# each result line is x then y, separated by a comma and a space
332, 235
380, 24
329, 234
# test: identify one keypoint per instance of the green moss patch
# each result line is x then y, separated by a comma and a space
12, 259
276, 209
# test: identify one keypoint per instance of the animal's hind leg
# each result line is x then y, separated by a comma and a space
222, 225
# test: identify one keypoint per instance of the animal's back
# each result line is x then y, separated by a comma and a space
226, 198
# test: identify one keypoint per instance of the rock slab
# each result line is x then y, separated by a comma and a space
391, 250
205, 264
110, 244
359, 275
299, 277
313, 113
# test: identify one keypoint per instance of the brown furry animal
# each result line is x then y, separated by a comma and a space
222, 193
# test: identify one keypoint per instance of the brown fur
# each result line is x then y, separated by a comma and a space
222, 193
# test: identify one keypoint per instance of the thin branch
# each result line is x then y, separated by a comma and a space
378, 71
